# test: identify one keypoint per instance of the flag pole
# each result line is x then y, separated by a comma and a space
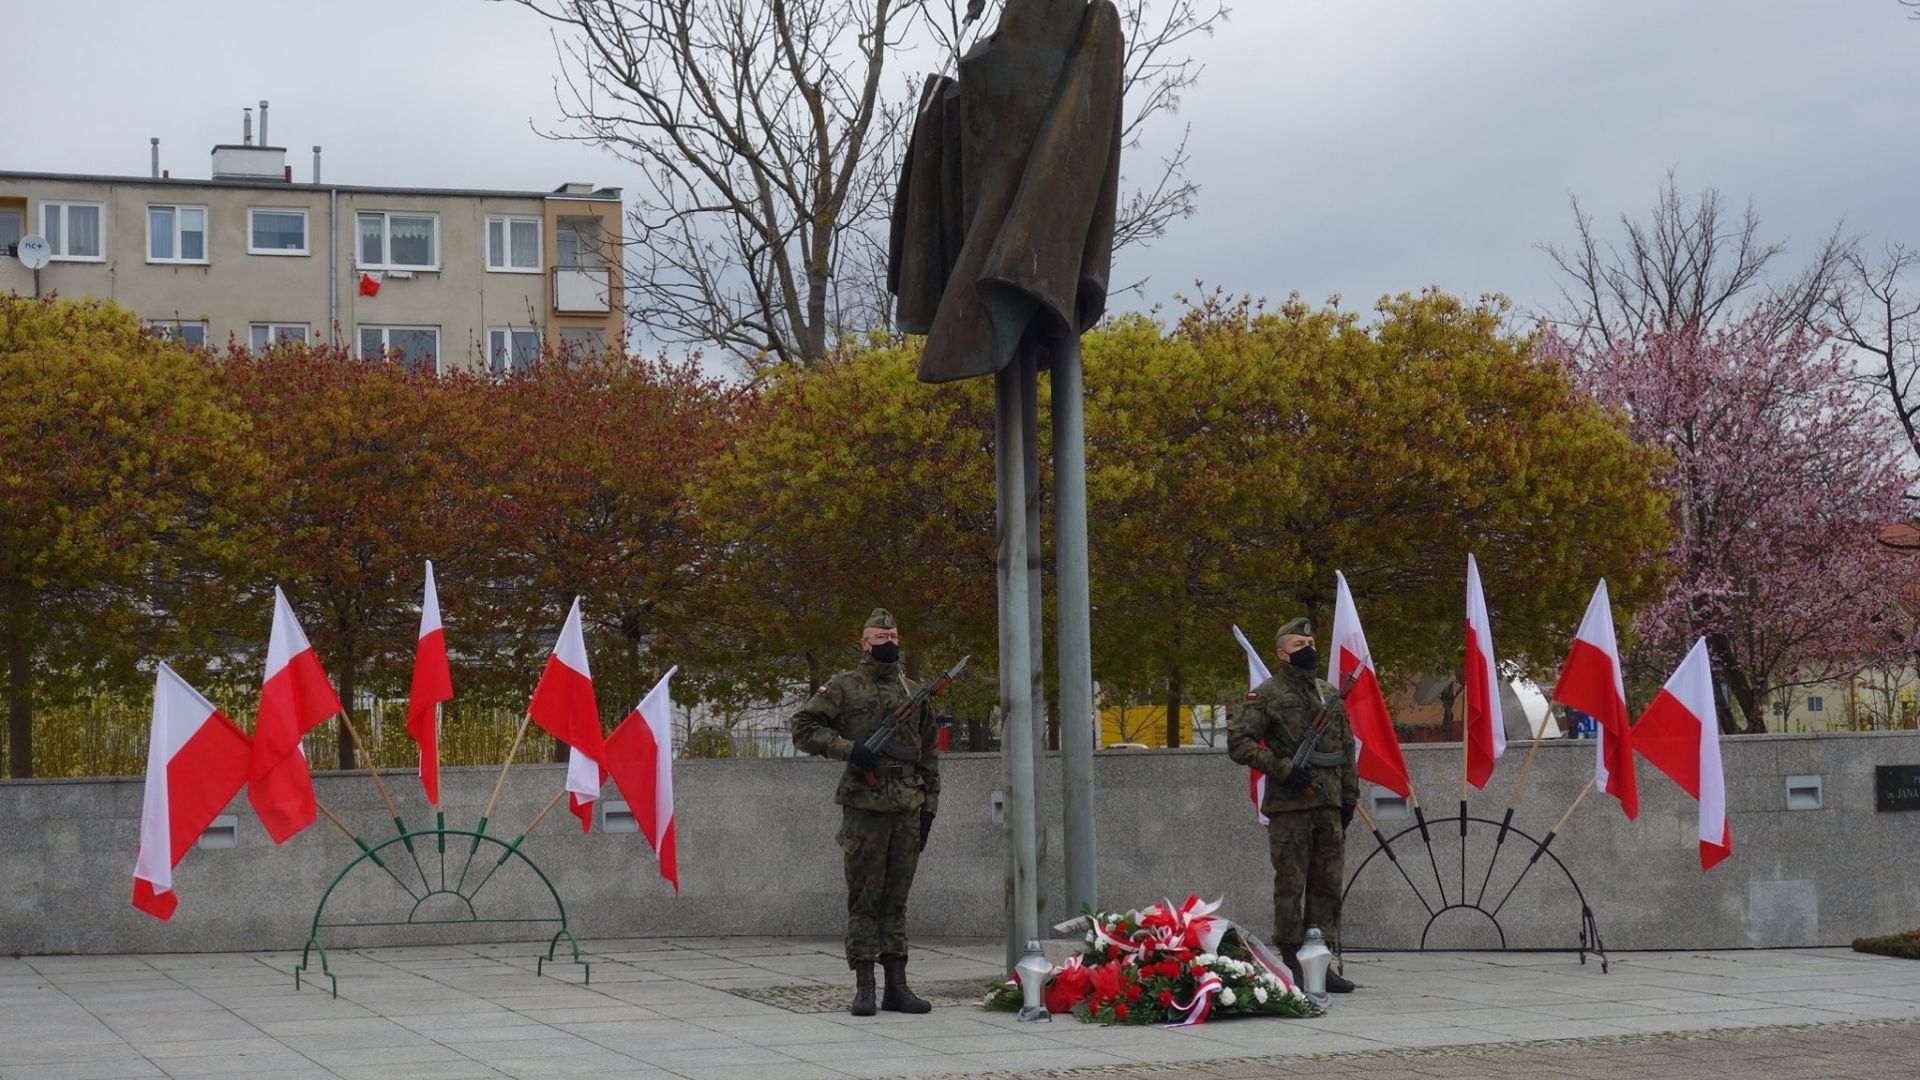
1513, 802
1367, 819
1544, 841
515, 846
346, 717
1420, 817
487, 812
1466, 736
355, 837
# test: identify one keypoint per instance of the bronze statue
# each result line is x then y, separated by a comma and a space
1003, 221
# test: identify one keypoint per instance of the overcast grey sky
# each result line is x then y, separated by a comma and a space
1357, 147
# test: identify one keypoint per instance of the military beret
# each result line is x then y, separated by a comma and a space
881, 619
1294, 626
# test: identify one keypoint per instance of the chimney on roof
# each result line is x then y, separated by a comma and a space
251, 161
156, 156
263, 123
316, 163
246, 127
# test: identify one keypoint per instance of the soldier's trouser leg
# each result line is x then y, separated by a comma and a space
1326, 865
1289, 843
864, 840
903, 858
882, 850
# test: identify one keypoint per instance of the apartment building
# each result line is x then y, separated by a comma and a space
444, 278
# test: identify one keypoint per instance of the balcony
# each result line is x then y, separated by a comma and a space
585, 290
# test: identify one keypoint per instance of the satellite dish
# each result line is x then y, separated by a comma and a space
34, 252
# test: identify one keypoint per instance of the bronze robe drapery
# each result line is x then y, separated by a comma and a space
1002, 232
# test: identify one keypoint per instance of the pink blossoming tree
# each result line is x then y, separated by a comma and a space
1783, 472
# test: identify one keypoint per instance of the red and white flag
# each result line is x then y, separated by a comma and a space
295, 697
1380, 760
563, 704
432, 684
1484, 729
1590, 682
196, 763
1257, 673
640, 758
1680, 734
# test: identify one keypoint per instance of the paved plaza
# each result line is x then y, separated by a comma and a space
772, 1009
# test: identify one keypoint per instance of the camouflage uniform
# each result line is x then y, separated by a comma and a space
1306, 839
879, 826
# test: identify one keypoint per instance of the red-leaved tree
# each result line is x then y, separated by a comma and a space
1783, 473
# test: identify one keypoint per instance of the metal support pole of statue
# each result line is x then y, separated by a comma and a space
1075, 661
1016, 657
1036, 618
1000, 253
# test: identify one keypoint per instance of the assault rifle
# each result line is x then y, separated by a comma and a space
880, 742
1305, 753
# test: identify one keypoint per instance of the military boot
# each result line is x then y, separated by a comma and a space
897, 997
862, 987
1338, 983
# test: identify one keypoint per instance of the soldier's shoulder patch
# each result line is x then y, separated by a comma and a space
1253, 695
821, 689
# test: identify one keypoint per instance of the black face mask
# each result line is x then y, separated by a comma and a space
886, 652
1305, 659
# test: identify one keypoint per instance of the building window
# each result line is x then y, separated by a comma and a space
578, 245
513, 244
12, 228
276, 232
177, 234
390, 241
418, 346
74, 230
189, 332
511, 349
1815, 704
582, 341
263, 336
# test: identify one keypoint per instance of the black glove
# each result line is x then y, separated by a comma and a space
1346, 815
863, 758
1300, 778
926, 826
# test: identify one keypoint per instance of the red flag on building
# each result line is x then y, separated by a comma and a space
1590, 682
1484, 728
640, 759
1380, 760
1680, 734
196, 763
369, 285
563, 704
295, 697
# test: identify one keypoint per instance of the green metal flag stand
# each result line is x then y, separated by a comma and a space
432, 884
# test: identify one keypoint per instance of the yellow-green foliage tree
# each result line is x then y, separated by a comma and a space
122, 465
1241, 456
852, 485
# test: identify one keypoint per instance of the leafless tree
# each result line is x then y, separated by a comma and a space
767, 136
756, 126
1876, 309
1691, 264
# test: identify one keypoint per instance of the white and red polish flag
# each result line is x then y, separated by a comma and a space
197, 762
1485, 729
640, 758
295, 697
563, 704
1590, 681
1680, 734
1380, 760
432, 684
1257, 673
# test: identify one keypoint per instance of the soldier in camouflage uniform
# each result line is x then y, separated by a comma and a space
882, 827
1309, 807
